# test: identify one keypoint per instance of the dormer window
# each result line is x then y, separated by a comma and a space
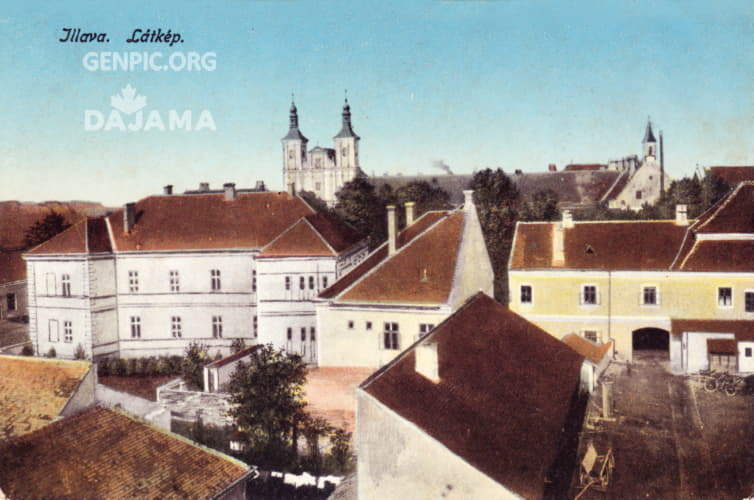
589, 250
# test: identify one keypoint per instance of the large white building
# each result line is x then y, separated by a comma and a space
322, 171
403, 289
171, 269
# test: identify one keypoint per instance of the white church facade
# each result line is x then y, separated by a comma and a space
322, 171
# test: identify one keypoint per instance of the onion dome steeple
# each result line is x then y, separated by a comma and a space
346, 130
293, 132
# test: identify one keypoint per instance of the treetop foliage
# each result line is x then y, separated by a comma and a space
44, 229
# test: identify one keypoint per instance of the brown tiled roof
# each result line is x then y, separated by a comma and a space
574, 188
33, 391
600, 245
421, 272
720, 255
208, 221
188, 222
379, 255
504, 393
733, 175
12, 266
590, 351
742, 329
101, 453
722, 346
618, 186
584, 166
233, 357
88, 235
314, 235
735, 214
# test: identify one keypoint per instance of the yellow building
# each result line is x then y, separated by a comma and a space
404, 288
668, 284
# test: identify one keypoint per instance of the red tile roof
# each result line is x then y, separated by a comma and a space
600, 245
188, 222
742, 329
593, 352
420, 272
721, 256
735, 214
33, 391
504, 393
88, 235
733, 175
379, 255
722, 346
314, 235
101, 453
12, 266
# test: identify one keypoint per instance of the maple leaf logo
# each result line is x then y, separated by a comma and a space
128, 101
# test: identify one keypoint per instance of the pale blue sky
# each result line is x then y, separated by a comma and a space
516, 84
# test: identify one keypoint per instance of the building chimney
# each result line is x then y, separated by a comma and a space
204, 187
426, 362
409, 212
391, 229
129, 217
681, 215
260, 186
230, 191
292, 189
167, 190
567, 219
552, 167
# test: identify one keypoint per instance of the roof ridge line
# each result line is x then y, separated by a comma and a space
110, 234
320, 235
397, 251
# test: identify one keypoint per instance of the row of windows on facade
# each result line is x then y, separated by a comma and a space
302, 281
176, 327
649, 296
391, 333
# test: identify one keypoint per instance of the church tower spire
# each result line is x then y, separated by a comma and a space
347, 145
649, 142
294, 152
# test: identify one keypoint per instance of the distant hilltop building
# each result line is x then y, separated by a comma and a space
322, 171
627, 183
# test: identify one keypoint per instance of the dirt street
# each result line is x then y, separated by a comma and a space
671, 439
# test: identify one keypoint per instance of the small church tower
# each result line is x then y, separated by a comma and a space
650, 143
294, 152
347, 143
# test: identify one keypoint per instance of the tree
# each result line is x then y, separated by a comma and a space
426, 196
192, 368
266, 397
496, 198
44, 229
541, 206
314, 201
359, 205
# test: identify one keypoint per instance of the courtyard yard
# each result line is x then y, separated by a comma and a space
13, 332
671, 439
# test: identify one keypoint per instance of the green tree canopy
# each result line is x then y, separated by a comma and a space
496, 198
44, 229
267, 402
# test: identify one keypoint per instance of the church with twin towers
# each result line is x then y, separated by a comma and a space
322, 171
